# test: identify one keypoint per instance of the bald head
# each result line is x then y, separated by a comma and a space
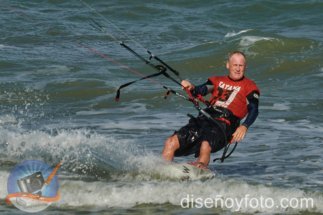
237, 53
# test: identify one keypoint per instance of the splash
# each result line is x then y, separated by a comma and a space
81, 151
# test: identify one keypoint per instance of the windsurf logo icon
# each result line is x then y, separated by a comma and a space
186, 170
33, 186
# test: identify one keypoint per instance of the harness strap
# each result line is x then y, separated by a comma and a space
226, 121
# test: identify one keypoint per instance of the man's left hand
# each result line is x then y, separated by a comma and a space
239, 134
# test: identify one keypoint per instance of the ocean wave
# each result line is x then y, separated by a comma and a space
320, 74
135, 183
233, 34
251, 40
161, 121
53, 70
80, 194
81, 151
304, 126
138, 184
132, 107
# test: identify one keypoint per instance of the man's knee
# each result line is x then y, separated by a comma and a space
172, 143
205, 147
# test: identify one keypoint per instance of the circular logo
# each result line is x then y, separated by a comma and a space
33, 186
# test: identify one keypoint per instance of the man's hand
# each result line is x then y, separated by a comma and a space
239, 134
187, 85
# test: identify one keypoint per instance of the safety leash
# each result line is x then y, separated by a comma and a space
225, 151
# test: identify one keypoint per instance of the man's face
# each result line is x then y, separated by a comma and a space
236, 66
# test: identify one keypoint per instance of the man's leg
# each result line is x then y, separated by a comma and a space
205, 154
171, 145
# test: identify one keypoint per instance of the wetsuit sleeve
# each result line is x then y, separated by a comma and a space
253, 99
202, 89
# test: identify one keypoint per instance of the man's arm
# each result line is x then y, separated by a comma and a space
203, 89
240, 133
253, 99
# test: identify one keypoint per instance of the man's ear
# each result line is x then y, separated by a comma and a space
227, 65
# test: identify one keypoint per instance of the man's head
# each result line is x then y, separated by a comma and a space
236, 65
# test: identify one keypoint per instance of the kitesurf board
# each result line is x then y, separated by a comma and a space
185, 171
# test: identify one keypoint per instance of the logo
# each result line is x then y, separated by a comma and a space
255, 95
186, 170
33, 186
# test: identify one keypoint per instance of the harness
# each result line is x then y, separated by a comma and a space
224, 115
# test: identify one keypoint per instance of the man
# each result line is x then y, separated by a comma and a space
232, 98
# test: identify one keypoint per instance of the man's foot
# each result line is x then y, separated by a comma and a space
198, 165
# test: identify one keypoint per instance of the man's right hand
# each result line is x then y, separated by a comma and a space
239, 134
187, 85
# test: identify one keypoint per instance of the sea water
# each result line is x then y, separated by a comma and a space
59, 76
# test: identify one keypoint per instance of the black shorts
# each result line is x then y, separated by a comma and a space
195, 132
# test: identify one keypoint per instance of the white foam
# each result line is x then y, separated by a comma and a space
141, 186
233, 34
7, 47
127, 195
320, 74
5, 119
251, 40
76, 148
3, 185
